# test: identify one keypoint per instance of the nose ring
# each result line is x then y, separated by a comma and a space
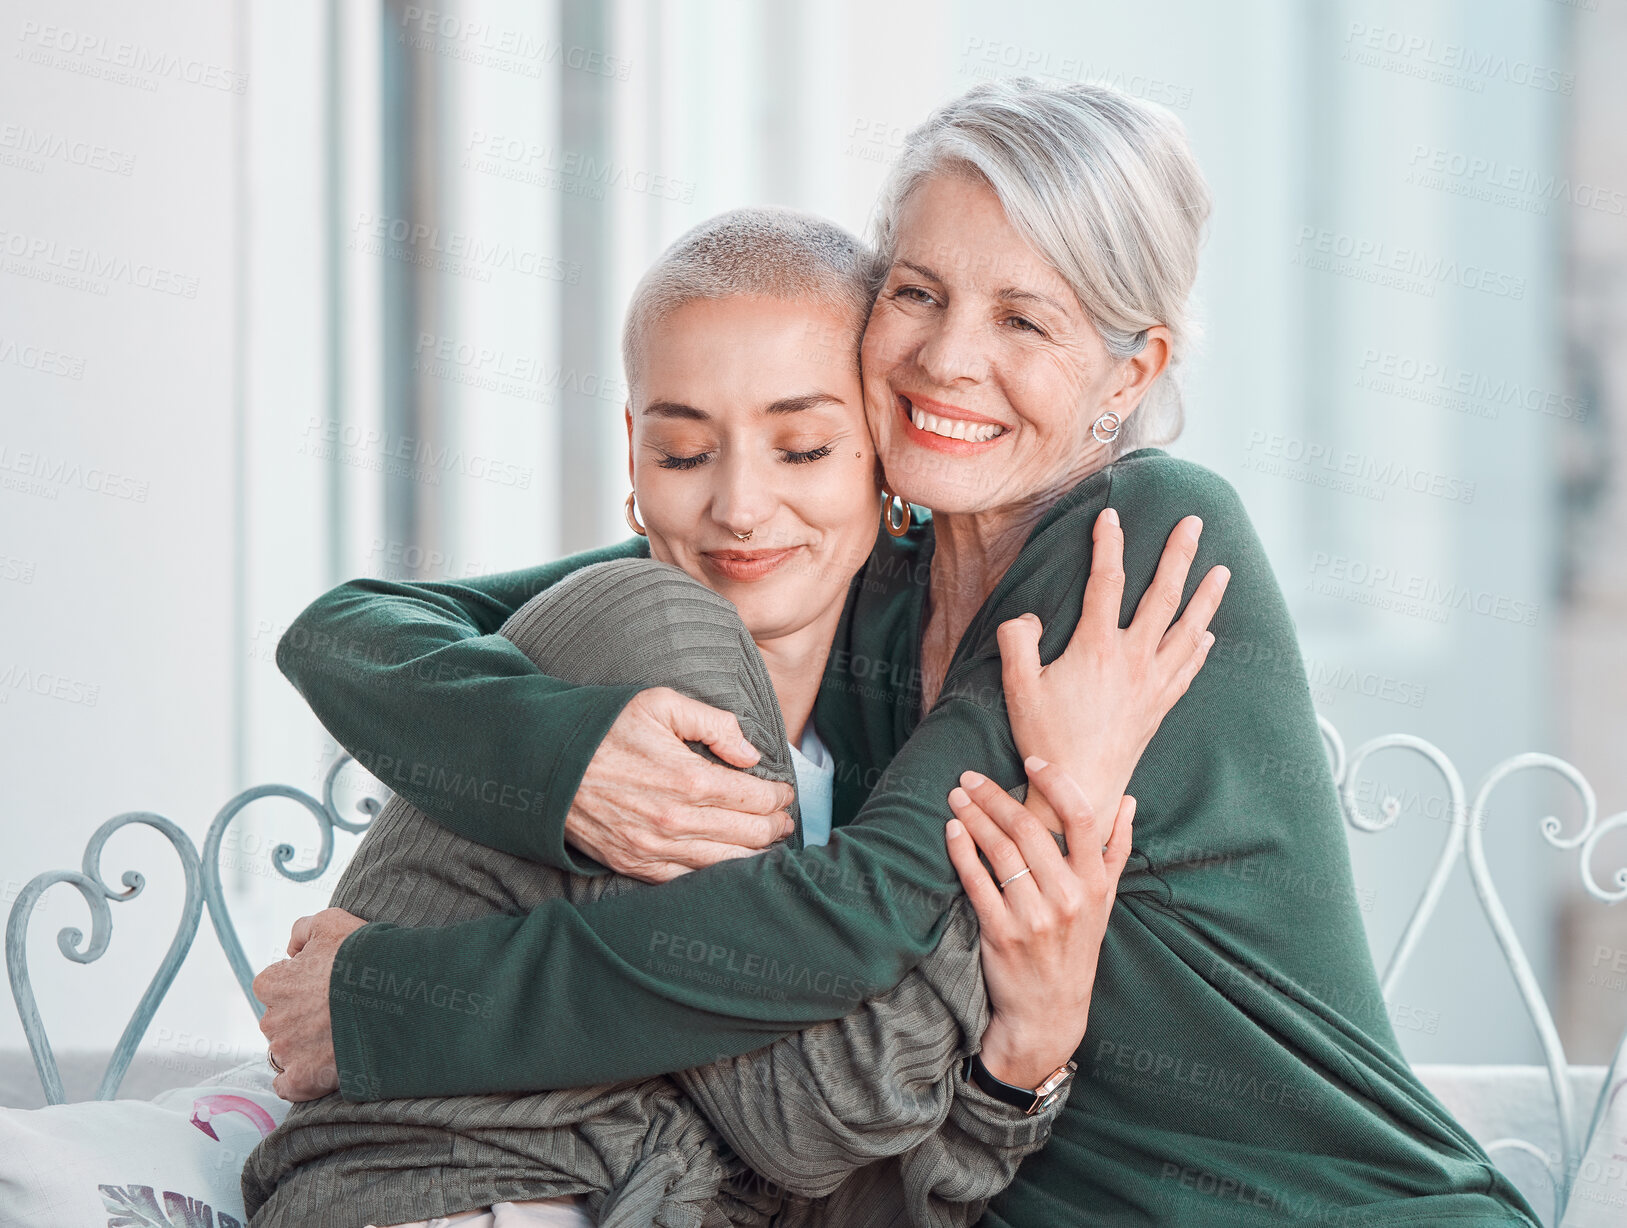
746, 536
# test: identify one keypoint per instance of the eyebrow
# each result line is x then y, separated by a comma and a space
921, 269
1010, 293
784, 405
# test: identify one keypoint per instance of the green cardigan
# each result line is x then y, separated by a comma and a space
1239, 1067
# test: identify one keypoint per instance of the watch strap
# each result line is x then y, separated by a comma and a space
1030, 1100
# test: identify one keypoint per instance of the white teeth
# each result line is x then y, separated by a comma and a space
955, 428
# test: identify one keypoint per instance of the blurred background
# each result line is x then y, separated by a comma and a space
291, 293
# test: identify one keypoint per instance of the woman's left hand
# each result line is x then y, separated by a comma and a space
1041, 934
1095, 707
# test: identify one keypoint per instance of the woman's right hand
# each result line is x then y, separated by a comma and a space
1094, 708
651, 808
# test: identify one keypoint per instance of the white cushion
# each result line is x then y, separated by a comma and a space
137, 1163
1599, 1196
1503, 1102
1495, 1102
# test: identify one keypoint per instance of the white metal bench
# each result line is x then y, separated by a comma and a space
1532, 1111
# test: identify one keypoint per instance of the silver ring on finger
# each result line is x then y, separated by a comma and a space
272, 1059
1016, 876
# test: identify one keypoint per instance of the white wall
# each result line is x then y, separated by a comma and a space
166, 608
132, 602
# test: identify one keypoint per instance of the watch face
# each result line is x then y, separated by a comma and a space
1057, 1078
1050, 1091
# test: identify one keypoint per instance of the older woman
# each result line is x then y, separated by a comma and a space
1239, 1066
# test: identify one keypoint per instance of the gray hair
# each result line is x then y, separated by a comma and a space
1103, 185
768, 251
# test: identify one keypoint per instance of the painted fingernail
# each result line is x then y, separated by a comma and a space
1112, 516
971, 779
959, 797
1035, 764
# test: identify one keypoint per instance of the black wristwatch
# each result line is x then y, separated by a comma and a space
1030, 1100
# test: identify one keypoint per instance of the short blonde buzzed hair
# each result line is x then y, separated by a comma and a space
765, 250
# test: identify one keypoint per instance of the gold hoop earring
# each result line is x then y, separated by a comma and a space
894, 506
632, 516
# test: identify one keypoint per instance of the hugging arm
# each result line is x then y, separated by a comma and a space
883, 1090
367, 653
806, 1111
414, 681
948, 1178
729, 958
875, 1086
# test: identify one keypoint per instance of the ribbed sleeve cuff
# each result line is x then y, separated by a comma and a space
998, 1124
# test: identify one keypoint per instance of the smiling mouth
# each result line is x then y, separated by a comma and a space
946, 427
748, 564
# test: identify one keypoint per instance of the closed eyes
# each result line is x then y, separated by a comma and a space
682, 463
